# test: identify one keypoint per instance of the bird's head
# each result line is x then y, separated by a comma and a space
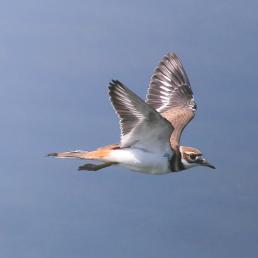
192, 157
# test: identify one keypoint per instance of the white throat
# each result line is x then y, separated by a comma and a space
188, 165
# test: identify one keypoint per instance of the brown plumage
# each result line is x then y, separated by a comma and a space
170, 94
101, 152
179, 118
97, 154
151, 129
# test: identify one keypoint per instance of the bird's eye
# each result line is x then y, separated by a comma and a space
192, 156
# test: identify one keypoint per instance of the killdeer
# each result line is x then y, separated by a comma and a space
150, 129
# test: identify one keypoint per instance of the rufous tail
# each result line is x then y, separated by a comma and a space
98, 154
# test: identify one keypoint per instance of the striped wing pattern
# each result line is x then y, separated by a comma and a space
170, 94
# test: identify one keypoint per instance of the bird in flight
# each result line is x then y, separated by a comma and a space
150, 129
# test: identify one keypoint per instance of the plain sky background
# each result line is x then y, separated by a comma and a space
56, 60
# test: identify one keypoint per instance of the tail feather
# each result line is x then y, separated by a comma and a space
77, 154
99, 154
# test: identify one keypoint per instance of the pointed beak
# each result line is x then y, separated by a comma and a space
205, 163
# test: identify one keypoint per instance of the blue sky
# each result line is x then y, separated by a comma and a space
56, 60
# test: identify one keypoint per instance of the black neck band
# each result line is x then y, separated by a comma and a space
176, 163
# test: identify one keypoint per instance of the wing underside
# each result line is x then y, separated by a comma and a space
170, 94
141, 125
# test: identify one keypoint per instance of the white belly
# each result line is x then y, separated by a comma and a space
139, 160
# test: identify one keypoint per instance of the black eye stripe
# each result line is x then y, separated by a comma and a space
192, 156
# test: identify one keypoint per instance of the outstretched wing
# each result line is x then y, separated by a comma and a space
141, 125
170, 94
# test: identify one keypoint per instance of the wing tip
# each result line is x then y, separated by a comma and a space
114, 83
171, 54
115, 86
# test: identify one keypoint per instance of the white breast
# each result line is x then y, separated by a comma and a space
139, 160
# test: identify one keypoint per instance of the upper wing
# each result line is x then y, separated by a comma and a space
170, 94
141, 125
